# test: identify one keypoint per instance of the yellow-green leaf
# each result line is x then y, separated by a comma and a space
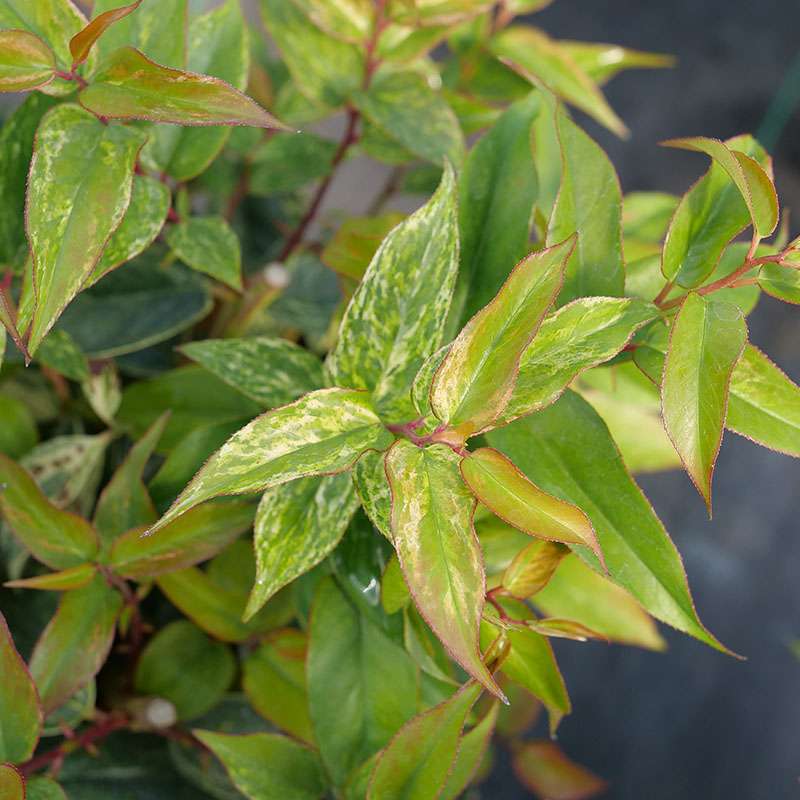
532, 569
78, 191
707, 338
355, 243
70, 578
26, 62
474, 382
12, 784
782, 282
601, 62
438, 549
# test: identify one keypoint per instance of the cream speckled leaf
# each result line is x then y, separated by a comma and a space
438, 549
297, 525
26, 62
209, 245
474, 382
323, 432
143, 221
567, 450
396, 317
372, 487
270, 371
578, 336
409, 111
78, 190
589, 203
707, 338
218, 46
130, 86
752, 181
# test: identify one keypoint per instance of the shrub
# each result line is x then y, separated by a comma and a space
410, 436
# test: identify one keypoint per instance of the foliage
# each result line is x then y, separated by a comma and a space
425, 419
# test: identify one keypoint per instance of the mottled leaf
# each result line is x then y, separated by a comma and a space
182, 665
270, 371
355, 243
57, 538
404, 106
418, 760
131, 86
707, 338
539, 58
396, 317
82, 42
323, 432
532, 569
496, 196
26, 62
78, 190
475, 381
20, 716
297, 525
578, 336
74, 645
575, 459
369, 478
274, 680
438, 549
546, 771
196, 536
362, 686
209, 245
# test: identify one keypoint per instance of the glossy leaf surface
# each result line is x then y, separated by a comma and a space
707, 338
437, 547
474, 382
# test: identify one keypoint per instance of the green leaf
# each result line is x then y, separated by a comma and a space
75, 644
708, 216
502, 488
356, 241
143, 221
578, 336
272, 372
532, 569
394, 592
71, 578
426, 13
57, 538
752, 181
438, 549
496, 196
43, 789
12, 783
601, 62
323, 432
544, 769
419, 759
136, 307
325, 69
131, 86
217, 46
20, 715
575, 459
266, 766
369, 478
781, 282
60, 352
53, 21
78, 190
158, 29
26, 62
81, 43
707, 338
537, 57
182, 665
274, 680
208, 245
471, 752
297, 525
345, 19
577, 592
124, 503
288, 161
475, 381
397, 315
646, 215
362, 686
589, 203
530, 662
405, 107
194, 537
18, 433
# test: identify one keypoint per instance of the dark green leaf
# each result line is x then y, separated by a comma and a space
288, 161
18, 433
